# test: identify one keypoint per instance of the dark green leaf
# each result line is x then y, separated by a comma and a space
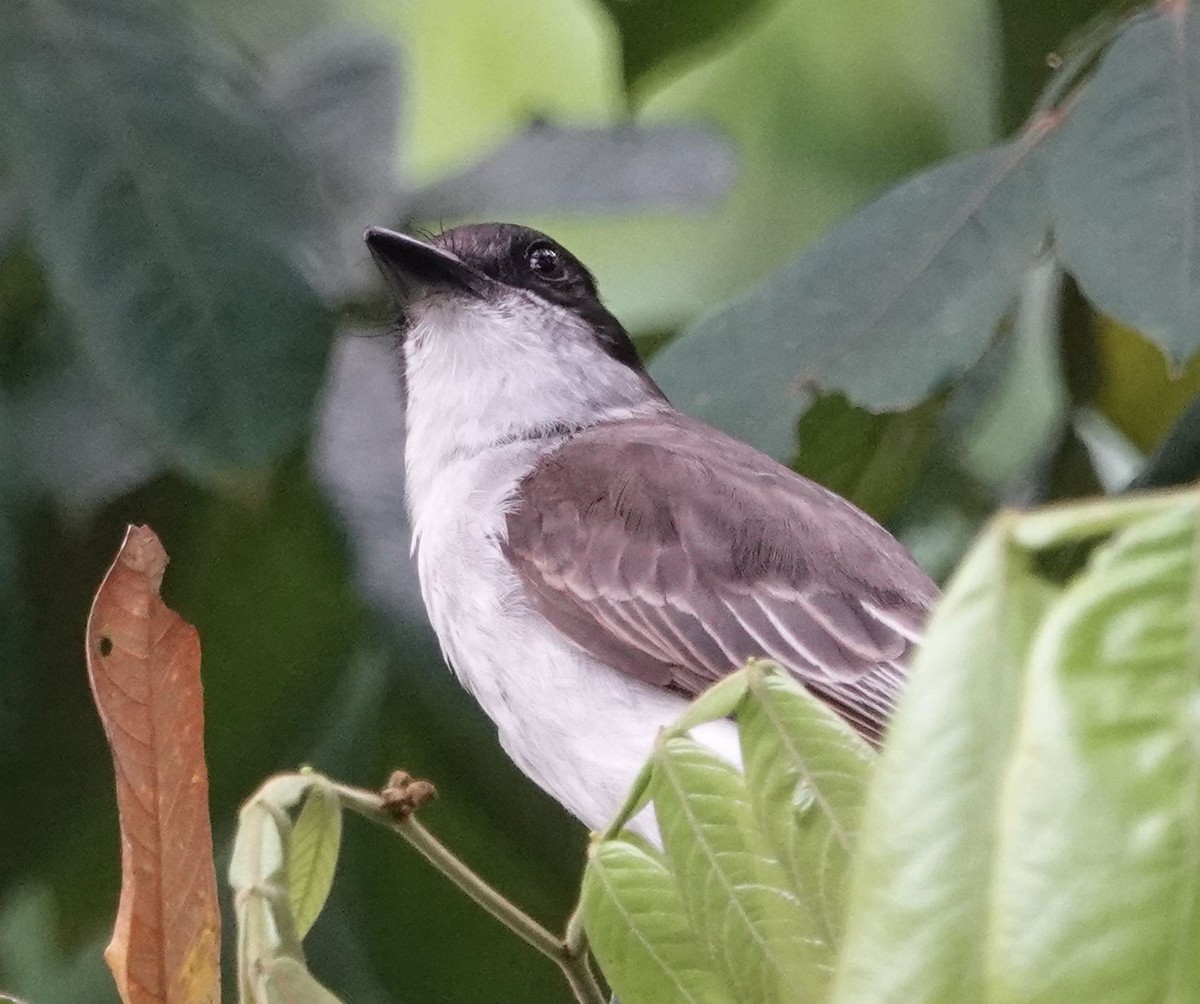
887, 308
737, 896
638, 928
1125, 181
19, 683
72, 443
548, 169
807, 773
1177, 460
653, 32
872, 460
24, 302
32, 958
165, 202
1007, 416
337, 94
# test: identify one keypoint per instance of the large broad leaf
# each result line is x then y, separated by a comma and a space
654, 32
1097, 891
70, 441
887, 308
1031, 832
920, 896
165, 202
737, 895
1125, 181
548, 169
638, 929
337, 93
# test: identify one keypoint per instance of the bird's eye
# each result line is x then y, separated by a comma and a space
545, 262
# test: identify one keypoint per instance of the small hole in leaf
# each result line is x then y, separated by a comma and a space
106, 646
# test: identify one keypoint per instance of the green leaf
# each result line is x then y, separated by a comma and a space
1125, 181
637, 926
920, 899
1031, 831
1177, 459
887, 308
656, 33
32, 957
737, 896
1009, 433
549, 169
719, 701
286, 981
258, 876
276, 867
337, 93
1097, 896
316, 838
72, 443
165, 201
1055, 526
807, 773
872, 460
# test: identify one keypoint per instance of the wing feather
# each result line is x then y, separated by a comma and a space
673, 553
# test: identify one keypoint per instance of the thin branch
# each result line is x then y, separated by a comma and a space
571, 955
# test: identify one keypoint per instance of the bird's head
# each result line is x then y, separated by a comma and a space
504, 334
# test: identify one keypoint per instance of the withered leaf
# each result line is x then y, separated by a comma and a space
144, 667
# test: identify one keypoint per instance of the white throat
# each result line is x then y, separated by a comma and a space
483, 374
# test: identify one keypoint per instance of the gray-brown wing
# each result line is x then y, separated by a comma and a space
674, 553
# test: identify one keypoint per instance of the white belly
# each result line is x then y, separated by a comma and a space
578, 728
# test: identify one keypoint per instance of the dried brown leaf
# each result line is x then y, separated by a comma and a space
144, 667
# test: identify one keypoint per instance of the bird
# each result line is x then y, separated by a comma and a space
590, 557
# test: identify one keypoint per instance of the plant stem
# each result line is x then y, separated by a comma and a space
570, 956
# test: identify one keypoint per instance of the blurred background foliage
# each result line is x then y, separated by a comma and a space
182, 298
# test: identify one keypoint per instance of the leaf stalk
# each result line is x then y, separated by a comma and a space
569, 953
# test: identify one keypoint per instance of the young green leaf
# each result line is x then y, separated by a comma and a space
286, 981
258, 876
316, 838
261, 874
638, 929
807, 772
737, 896
719, 701
1097, 889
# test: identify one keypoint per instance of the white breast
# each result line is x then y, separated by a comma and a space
579, 729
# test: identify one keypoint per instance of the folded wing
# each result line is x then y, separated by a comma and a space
673, 553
